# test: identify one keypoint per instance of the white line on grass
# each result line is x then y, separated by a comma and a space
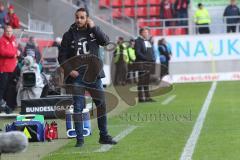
168, 100
120, 136
192, 140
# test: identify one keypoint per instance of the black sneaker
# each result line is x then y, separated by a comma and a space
79, 144
107, 140
141, 101
150, 100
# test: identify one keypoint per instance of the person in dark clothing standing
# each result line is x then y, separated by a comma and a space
165, 56
3, 14
145, 59
31, 49
167, 12
83, 38
231, 10
181, 9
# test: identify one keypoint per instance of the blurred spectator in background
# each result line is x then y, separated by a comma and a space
132, 57
167, 12
165, 56
145, 58
181, 9
202, 19
8, 62
232, 22
11, 18
3, 14
31, 49
121, 60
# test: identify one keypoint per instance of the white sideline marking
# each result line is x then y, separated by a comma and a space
107, 147
168, 100
192, 140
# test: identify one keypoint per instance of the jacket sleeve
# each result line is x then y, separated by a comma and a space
138, 49
6, 52
16, 21
225, 12
102, 38
65, 48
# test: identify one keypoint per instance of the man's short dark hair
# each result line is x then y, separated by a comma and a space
142, 29
7, 26
200, 5
82, 10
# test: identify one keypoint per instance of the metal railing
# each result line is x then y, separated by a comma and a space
30, 20
217, 26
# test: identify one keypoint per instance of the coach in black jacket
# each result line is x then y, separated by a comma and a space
145, 55
84, 37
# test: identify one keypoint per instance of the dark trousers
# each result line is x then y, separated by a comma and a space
132, 74
182, 14
121, 73
203, 29
164, 68
97, 93
3, 84
231, 28
143, 85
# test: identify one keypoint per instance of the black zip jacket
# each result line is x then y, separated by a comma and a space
76, 41
142, 53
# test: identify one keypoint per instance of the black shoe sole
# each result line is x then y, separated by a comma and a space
111, 143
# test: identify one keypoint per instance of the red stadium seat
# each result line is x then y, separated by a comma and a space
155, 2
104, 3
158, 23
142, 11
180, 31
155, 11
167, 31
142, 23
152, 22
130, 12
128, 2
155, 22
116, 3
117, 12
142, 2
155, 32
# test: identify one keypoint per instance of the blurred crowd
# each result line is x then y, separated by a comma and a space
21, 71
179, 9
8, 17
